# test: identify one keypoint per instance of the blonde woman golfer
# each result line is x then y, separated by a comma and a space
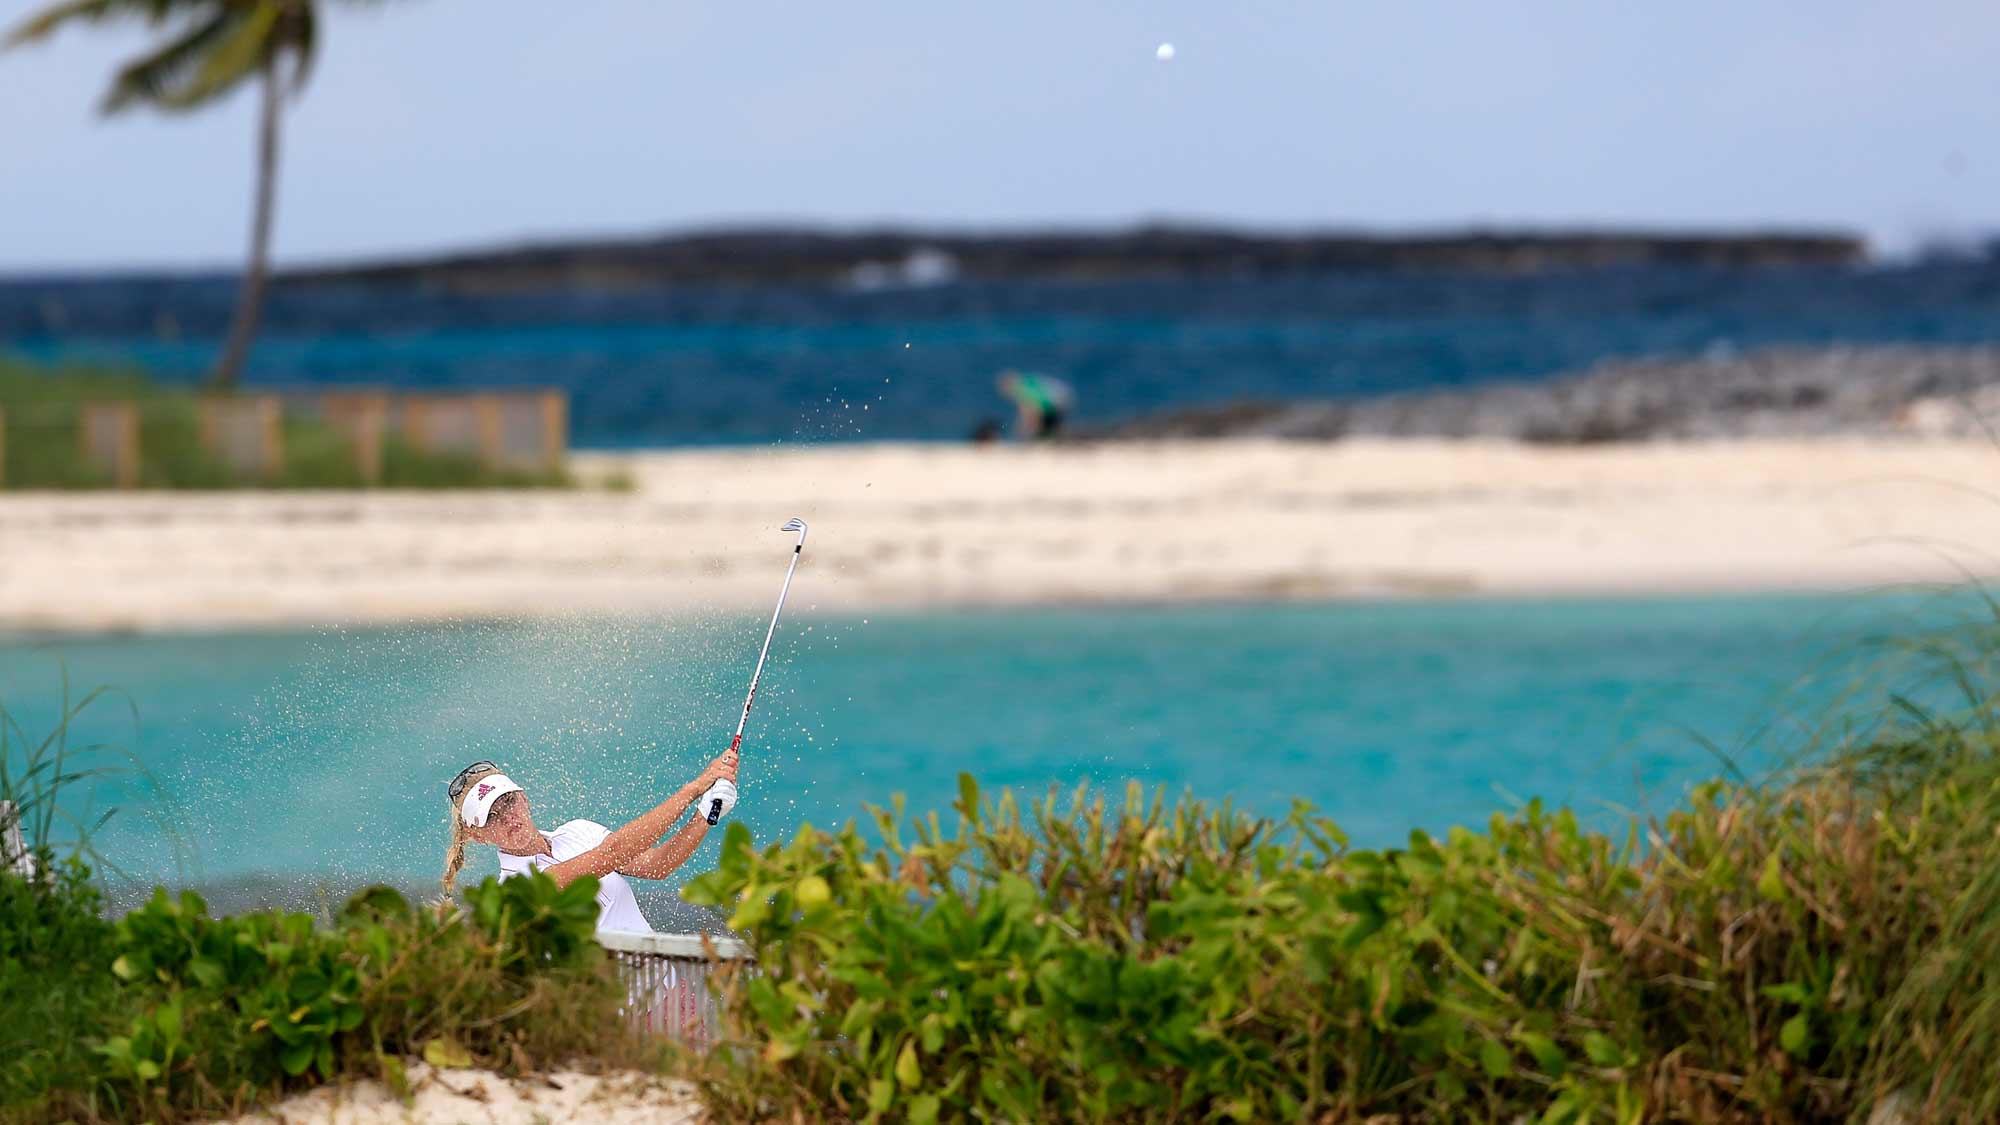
488, 807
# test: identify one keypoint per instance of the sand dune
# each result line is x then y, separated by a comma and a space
917, 526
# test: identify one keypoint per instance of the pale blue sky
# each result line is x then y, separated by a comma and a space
444, 123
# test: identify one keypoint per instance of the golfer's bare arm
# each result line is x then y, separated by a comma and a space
637, 836
660, 862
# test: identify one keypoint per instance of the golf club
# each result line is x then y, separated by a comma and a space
793, 524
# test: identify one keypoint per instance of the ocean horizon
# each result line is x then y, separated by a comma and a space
763, 364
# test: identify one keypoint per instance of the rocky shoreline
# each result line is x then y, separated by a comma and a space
1772, 393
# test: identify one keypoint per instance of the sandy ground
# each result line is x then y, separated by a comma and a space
477, 1097
919, 526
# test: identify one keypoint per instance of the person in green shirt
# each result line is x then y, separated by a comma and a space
1041, 402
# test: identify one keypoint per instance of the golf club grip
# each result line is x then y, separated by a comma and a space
735, 744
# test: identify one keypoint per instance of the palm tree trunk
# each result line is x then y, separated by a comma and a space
250, 296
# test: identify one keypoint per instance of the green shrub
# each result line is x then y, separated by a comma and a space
170, 1013
1795, 952
56, 986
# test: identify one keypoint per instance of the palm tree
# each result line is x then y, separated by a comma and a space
212, 47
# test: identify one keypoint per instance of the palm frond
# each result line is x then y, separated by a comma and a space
51, 19
244, 52
152, 78
44, 23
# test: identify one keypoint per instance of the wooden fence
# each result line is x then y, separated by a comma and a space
501, 431
512, 431
667, 982
107, 435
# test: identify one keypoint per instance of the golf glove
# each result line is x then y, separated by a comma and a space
724, 791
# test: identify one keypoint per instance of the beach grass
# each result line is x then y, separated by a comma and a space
41, 409
46, 778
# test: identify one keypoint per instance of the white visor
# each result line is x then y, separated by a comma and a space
481, 794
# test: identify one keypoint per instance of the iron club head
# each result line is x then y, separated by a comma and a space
798, 525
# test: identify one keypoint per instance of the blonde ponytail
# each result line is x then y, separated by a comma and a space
454, 854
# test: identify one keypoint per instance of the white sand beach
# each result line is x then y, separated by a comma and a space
912, 526
477, 1097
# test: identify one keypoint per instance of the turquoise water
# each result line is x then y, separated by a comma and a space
295, 764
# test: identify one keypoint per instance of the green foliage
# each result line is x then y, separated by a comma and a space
40, 412
538, 923
171, 1013
1748, 957
56, 986
218, 45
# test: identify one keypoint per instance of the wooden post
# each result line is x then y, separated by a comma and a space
361, 418
108, 437
365, 439
14, 854
486, 416
416, 427
555, 430
271, 411
246, 433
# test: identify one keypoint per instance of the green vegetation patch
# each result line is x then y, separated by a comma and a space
172, 1014
1791, 953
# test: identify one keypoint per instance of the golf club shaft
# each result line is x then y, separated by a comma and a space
736, 743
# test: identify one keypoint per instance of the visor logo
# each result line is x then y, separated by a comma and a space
485, 787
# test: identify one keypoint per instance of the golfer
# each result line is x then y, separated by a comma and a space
488, 807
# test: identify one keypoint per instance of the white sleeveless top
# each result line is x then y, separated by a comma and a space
616, 908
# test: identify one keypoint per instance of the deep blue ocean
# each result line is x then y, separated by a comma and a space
742, 365
291, 763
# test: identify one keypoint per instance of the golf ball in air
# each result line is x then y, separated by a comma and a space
1165, 52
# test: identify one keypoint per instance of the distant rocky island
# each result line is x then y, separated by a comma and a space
1769, 393
891, 257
